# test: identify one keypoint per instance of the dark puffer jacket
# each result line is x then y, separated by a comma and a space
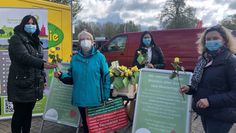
218, 85
157, 57
26, 76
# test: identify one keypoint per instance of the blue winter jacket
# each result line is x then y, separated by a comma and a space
90, 78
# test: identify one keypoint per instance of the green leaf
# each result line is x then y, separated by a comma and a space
173, 75
126, 82
136, 77
118, 83
140, 58
50, 56
174, 65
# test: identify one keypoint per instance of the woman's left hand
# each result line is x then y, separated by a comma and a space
149, 65
202, 103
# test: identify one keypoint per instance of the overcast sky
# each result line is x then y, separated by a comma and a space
145, 12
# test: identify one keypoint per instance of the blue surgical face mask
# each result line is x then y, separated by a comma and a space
30, 28
213, 45
147, 41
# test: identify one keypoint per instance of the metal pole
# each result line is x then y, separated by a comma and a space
41, 128
80, 121
71, 3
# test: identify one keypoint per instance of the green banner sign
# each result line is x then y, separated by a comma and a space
58, 108
160, 108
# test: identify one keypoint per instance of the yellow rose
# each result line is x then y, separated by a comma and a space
123, 68
130, 73
122, 74
126, 74
52, 50
134, 69
49, 60
177, 60
111, 74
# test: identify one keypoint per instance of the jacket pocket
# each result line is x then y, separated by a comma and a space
24, 80
40, 88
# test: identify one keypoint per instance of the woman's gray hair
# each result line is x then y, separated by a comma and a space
84, 32
229, 39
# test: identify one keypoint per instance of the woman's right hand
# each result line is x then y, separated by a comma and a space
184, 89
48, 65
57, 74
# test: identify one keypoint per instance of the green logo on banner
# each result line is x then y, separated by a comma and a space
55, 35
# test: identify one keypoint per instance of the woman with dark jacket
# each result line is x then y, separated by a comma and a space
26, 76
213, 84
152, 54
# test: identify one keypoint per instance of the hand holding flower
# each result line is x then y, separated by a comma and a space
142, 58
57, 74
48, 65
184, 89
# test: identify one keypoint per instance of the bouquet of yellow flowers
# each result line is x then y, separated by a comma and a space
121, 76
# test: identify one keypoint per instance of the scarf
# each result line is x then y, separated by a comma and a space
202, 62
198, 71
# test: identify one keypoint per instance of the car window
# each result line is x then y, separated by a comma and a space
117, 44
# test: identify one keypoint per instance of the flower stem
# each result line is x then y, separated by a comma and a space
180, 85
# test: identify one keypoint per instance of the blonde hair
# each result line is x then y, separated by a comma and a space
84, 32
224, 32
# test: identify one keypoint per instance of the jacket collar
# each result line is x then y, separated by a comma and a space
221, 58
93, 52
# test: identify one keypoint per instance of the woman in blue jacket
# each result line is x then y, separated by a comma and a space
213, 84
89, 75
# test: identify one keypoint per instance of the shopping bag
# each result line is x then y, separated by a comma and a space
108, 117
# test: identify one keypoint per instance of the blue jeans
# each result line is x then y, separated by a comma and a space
212, 125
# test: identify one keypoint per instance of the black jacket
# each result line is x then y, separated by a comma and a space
218, 85
157, 57
26, 76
